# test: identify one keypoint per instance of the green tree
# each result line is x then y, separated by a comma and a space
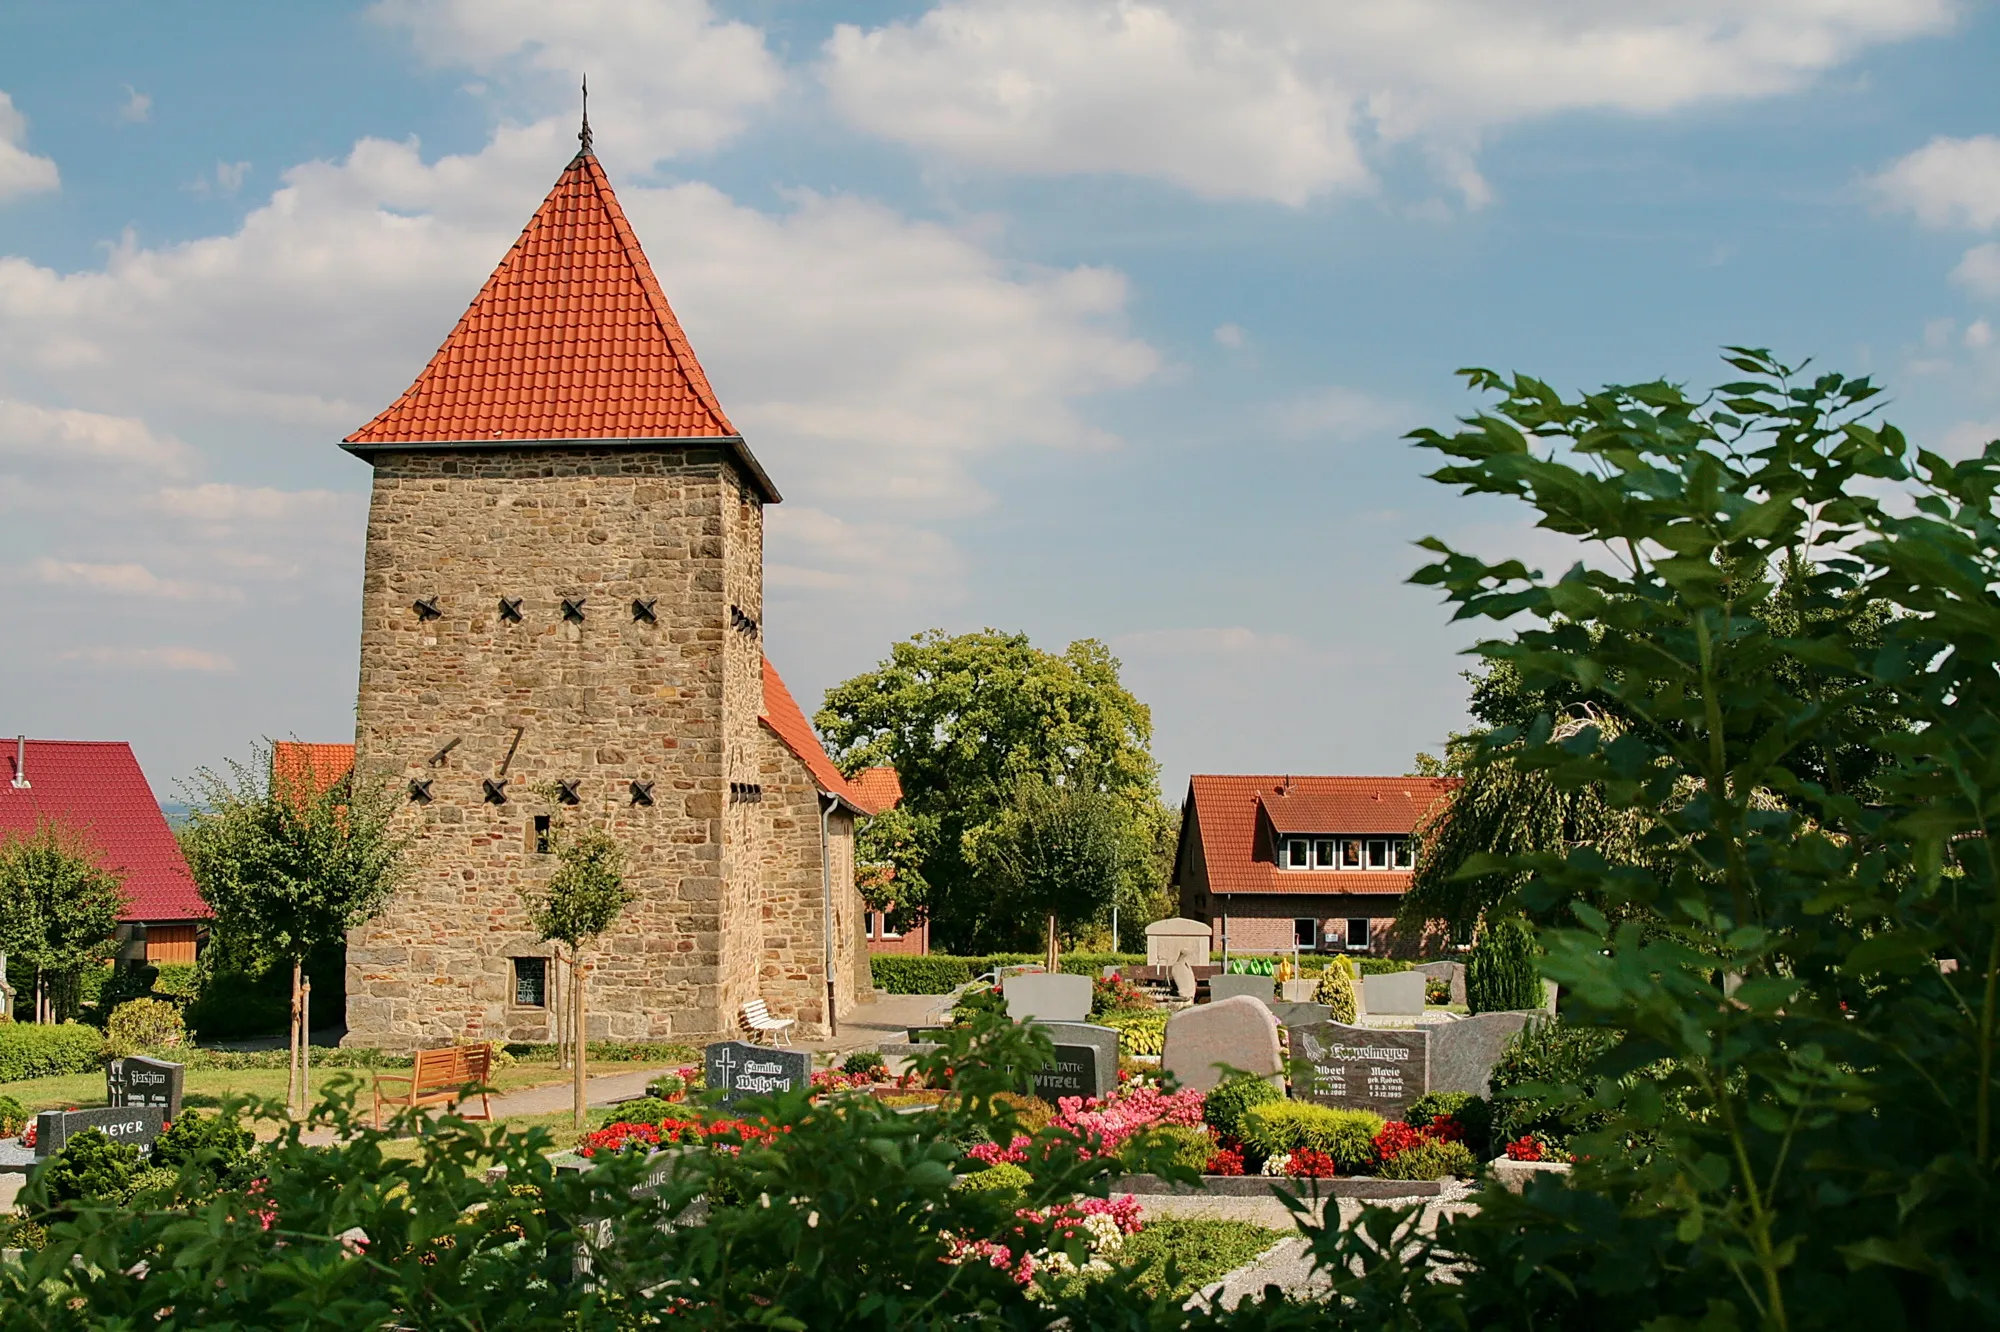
965, 719
58, 911
580, 901
1063, 854
288, 866
1501, 976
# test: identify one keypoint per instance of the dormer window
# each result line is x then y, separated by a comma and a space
1323, 853
1346, 853
1296, 853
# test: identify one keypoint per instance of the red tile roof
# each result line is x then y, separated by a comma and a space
96, 787
870, 793
297, 764
1230, 814
570, 339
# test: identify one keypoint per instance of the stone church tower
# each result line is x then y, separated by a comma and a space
562, 625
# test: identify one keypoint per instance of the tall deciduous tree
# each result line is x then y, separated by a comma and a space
581, 900
289, 864
965, 719
58, 911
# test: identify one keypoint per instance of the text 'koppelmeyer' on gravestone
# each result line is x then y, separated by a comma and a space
138, 1125
738, 1069
1363, 1068
136, 1080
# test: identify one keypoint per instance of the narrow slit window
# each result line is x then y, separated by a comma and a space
543, 837
531, 982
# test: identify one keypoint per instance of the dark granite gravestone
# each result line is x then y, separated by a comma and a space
1102, 1040
137, 1080
136, 1124
738, 1069
1362, 1068
1074, 1071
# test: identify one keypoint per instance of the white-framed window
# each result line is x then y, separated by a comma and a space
1357, 934
1298, 853
882, 930
1323, 853
1406, 852
1350, 853
1378, 853
1305, 933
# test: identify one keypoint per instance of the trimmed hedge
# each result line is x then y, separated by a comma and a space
29, 1050
941, 973
1280, 1127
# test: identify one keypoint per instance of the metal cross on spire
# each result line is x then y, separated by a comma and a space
583, 135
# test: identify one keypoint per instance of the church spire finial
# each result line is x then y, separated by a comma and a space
583, 135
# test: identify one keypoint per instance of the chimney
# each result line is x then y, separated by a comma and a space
21, 763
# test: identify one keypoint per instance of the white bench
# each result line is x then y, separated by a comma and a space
757, 1017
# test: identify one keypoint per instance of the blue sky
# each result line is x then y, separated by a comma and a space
1079, 318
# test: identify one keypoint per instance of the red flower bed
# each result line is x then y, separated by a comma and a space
729, 1134
1526, 1148
1311, 1163
1396, 1138
1225, 1161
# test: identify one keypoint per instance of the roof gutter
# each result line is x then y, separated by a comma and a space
733, 445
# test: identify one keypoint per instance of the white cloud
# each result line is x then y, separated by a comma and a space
1946, 183
666, 75
1274, 100
21, 172
151, 659
138, 107
1343, 414
126, 580
1979, 271
1229, 335
49, 438
1978, 334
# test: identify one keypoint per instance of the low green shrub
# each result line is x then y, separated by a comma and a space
1141, 1031
1547, 1053
865, 1061
155, 1186
1467, 1111
644, 1110
609, 1052
1191, 1144
179, 981
144, 1024
1435, 1159
904, 973
89, 1167
214, 1150
13, 1117
1279, 1127
1177, 1255
33, 1050
1031, 1113
1232, 1098
1384, 966
1002, 1176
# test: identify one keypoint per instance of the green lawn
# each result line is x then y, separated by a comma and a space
209, 1087
1198, 1249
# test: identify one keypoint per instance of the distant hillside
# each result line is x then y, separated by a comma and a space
177, 812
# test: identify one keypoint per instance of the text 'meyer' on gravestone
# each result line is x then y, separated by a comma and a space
739, 1069
138, 1125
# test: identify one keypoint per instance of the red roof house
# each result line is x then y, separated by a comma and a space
96, 788
1274, 863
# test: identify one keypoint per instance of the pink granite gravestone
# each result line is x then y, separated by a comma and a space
1205, 1041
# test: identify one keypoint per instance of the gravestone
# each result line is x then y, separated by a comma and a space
739, 1069
1397, 994
1237, 1033
1050, 998
137, 1080
1072, 1071
1184, 982
1300, 1015
1299, 991
1362, 1068
1177, 939
136, 1124
1228, 987
1462, 1053
1453, 972
1102, 1042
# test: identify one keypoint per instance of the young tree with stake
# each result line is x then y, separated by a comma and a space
581, 900
289, 864
58, 910
1062, 854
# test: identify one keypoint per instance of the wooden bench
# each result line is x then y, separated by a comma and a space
440, 1077
757, 1017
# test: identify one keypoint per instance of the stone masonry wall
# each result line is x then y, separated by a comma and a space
743, 703
600, 703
